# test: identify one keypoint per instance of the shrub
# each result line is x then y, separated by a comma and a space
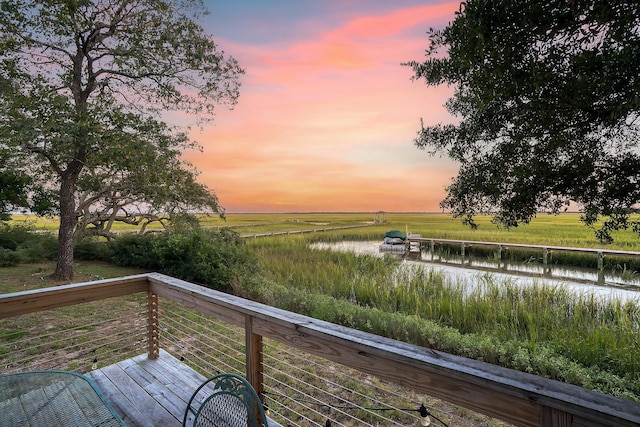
20, 244
133, 250
216, 259
92, 249
9, 258
12, 237
40, 247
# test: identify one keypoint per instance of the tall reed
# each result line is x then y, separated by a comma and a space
549, 319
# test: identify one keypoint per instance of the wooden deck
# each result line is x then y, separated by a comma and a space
148, 392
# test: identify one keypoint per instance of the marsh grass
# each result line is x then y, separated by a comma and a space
545, 330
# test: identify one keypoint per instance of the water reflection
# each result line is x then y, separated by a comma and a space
471, 271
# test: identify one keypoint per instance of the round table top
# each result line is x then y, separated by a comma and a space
45, 398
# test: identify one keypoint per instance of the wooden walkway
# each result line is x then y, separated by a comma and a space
148, 392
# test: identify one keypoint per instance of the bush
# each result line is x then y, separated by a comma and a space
9, 258
12, 237
20, 244
92, 249
133, 250
39, 248
216, 259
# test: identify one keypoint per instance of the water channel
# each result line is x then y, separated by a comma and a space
469, 271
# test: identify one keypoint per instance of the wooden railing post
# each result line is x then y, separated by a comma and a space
254, 361
555, 418
600, 261
153, 331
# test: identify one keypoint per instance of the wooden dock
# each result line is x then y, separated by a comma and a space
545, 249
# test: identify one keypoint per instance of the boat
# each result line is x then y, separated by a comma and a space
393, 241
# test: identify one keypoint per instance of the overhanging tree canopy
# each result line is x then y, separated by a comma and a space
139, 179
71, 70
548, 97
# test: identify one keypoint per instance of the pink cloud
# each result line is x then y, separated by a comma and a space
389, 25
327, 123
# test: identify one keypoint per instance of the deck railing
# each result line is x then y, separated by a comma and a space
514, 397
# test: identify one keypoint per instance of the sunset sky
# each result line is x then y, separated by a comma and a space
327, 115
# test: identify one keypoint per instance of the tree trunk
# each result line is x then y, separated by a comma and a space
64, 267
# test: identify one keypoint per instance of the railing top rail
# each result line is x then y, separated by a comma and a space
18, 303
524, 245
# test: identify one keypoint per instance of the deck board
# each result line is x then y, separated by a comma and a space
148, 392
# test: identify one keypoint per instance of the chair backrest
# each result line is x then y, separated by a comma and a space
225, 400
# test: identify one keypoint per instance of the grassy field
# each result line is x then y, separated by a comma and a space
559, 230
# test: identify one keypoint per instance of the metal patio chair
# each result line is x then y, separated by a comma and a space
225, 400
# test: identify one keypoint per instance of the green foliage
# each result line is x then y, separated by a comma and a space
9, 258
12, 236
140, 166
548, 100
217, 259
13, 186
92, 249
19, 244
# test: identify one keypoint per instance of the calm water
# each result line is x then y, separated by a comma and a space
470, 272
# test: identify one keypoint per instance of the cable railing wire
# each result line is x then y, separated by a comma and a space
347, 404
331, 383
199, 341
310, 402
335, 385
208, 347
305, 398
52, 350
311, 398
174, 316
45, 337
208, 365
197, 332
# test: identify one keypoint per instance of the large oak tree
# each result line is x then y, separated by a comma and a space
80, 79
547, 93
